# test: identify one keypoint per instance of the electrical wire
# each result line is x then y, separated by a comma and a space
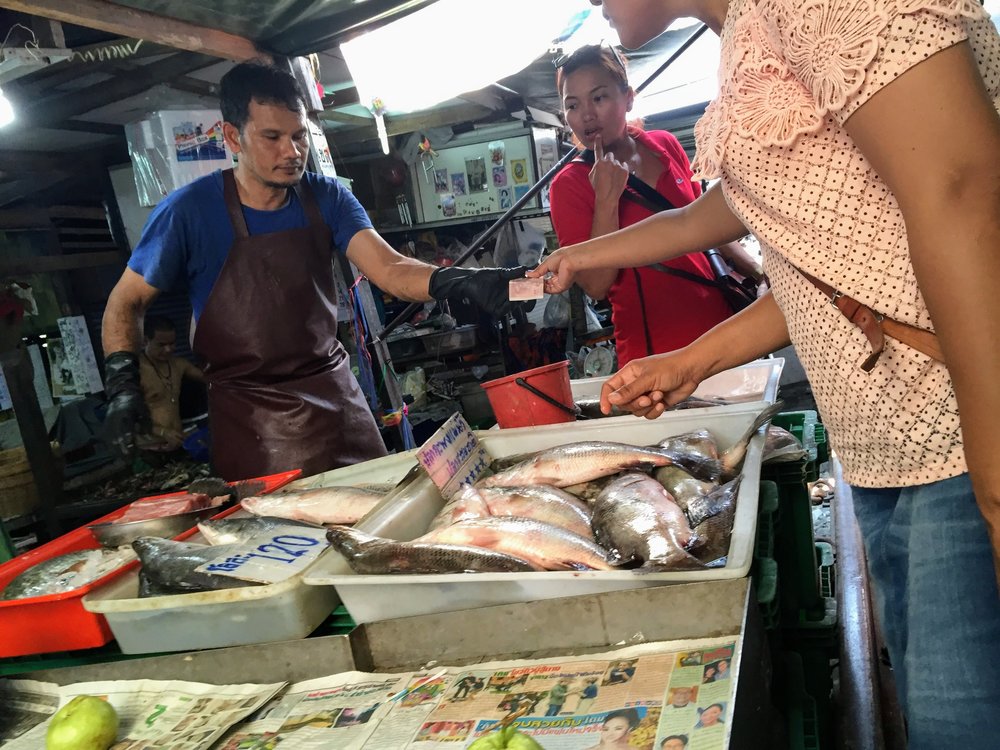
108, 52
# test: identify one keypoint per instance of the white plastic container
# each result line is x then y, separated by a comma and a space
234, 617
754, 381
371, 598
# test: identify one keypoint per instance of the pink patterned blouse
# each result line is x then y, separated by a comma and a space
792, 72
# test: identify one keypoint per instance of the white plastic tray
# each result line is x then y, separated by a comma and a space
372, 598
234, 617
754, 381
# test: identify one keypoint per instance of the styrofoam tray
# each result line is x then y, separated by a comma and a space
233, 617
371, 598
754, 381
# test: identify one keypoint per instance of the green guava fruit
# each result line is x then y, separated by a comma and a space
507, 738
85, 723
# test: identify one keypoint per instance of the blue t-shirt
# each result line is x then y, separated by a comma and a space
187, 238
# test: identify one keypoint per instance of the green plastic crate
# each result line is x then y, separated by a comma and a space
767, 519
797, 705
765, 579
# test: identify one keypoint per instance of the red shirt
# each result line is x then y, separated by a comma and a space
675, 311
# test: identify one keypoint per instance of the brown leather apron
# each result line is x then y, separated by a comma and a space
281, 394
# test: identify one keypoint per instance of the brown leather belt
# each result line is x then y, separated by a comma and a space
876, 326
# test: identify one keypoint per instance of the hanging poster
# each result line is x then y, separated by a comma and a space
79, 352
63, 384
198, 141
440, 180
457, 184
519, 170
448, 205
499, 176
498, 152
476, 169
505, 198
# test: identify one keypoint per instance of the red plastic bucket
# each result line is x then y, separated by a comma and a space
514, 405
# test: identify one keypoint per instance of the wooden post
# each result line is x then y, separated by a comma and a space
18, 372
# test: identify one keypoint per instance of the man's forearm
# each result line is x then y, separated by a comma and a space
120, 328
754, 332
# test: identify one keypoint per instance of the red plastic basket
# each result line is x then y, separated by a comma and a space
58, 622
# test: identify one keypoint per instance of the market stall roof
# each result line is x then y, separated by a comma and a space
125, 58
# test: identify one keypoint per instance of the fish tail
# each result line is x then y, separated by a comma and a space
700, 467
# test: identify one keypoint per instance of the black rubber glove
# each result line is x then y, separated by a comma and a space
127, 411
484, 287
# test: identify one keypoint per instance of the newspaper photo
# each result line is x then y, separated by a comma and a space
151, 713
658, 696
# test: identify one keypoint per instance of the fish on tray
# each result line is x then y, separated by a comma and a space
371, 555
321, 505
240, 530
637, 518
169, 566
699, 442
732, 458
712, 503
68, 572
145, 510
547, 546
715, 531
540, 502
575, 463
683, 487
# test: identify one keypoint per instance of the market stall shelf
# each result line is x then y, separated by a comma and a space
369, 598
61, 622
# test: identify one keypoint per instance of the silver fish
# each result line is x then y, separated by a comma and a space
716, 531
543, 544
781, 445
464, 505
371, 555
240, 530
73, 570
170, 566
575, 463
590, 408
639, 520
733, 457
542, 503
698, 442
683, 487
319, 505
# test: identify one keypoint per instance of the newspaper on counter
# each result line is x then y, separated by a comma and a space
151, 713
635, 697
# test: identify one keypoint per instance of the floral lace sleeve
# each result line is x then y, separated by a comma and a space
845, 51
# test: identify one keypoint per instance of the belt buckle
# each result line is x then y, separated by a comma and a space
837, 294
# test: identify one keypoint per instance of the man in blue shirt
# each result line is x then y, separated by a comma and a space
254, 248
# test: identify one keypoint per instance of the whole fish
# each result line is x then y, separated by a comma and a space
698, 442
697, 402
170, 565
464, 505
240, 530
683, 487
590, 408
371, 555
319, 505
542, 503
73, 570
543, 544
716, 531
575, 463
781, 445
732, 458
639, 520
712, 503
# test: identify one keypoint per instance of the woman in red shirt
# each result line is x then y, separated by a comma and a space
653, 311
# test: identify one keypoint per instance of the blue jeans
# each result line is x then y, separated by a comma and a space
554, 709
931, 567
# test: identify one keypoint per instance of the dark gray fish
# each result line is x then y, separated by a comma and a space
715, 532
73, 570
240, 530
371, 555
781, 445
575, 463
713, 503
637, 518
547, 546
733, 457
696, 402
590, 408
171, 565
682, 486
217, 487
698, 442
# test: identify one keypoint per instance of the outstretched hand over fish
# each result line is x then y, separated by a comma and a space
646, 387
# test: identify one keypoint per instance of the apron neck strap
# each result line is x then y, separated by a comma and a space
233, 205
308, 202
235, 208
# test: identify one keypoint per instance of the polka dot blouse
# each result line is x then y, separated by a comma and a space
792, 72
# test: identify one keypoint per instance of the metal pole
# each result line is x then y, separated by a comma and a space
677, 53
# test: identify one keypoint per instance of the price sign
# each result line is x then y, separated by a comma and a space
453, 456
271, 557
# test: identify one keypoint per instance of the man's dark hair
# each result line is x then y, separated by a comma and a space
154, 323
682, 737
259, 82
